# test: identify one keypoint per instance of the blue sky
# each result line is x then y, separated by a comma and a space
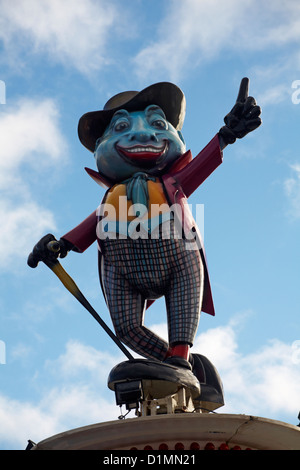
60, 59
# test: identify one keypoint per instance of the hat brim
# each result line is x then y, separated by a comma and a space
167, 96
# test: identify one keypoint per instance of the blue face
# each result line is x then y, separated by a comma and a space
138, 141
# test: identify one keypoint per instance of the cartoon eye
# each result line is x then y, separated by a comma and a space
97, 142
121, 126
159, 124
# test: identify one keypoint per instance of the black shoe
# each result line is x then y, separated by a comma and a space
197, 367
178, 361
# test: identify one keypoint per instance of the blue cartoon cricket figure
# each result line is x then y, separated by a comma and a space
149, 244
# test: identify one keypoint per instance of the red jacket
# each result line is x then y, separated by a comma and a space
180, 182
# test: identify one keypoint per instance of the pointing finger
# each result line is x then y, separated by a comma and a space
243, 91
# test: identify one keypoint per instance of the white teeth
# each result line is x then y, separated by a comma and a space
144, 149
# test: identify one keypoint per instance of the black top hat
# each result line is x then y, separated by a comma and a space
165, 95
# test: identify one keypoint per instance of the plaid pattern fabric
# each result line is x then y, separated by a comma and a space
140, 269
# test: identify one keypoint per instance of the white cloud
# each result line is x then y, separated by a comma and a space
31, 141
191, 29
30, 129
74, 398
79, 357
21, 420
195, 32
20, 225
265, 382
73, 33
275, 95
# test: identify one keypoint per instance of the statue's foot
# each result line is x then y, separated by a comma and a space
178, 361
158, 379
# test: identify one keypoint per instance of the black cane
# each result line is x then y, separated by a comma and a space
68, 282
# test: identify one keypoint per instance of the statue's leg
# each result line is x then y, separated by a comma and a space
127, 306
184, 297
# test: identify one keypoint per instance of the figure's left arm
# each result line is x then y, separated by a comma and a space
242, 119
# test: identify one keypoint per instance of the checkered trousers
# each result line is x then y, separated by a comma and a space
134, 270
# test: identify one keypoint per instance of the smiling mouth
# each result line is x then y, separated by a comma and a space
143, 153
